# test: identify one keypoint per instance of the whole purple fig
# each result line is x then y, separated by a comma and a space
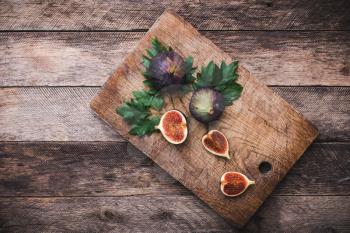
206, 105
166, 69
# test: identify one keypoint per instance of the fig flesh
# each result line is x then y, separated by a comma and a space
206, 105
234, 184
216, 143
173, 126
166, 69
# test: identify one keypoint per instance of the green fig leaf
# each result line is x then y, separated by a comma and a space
146, 61
207, 74
188, 64
231, 93
228, 72
151, 98
145, 126
157, 102
137, 112
158, 46
222, 79
132, 112
152, 52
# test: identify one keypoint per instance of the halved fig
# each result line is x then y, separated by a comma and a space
216, 143
173, 126
234, 184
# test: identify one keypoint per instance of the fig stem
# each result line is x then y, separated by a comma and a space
207, 129
251, 182
172, 101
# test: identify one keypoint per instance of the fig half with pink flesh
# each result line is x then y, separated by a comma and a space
216, 143
234, 184
173, 126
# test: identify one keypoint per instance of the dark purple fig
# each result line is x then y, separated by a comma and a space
206, 105
166, 69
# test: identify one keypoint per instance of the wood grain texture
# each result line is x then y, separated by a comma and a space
170, 213
50, 114
205, 15
84, 169
260, 126
63, 113
119, 169
88, 58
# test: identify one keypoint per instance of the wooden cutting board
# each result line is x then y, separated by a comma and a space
263, 130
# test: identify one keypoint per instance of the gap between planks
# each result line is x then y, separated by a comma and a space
217, 15
102, 168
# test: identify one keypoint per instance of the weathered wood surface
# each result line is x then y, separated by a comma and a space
63, 114
58, 113
119, 169
204, 15
316, 57
260, 126
88, 58
169, 213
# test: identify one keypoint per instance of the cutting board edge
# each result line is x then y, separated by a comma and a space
94, 104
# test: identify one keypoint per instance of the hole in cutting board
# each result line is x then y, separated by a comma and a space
265, 167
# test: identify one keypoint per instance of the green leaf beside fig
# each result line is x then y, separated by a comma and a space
133, 111
178, 71
165, 70
149, 99
231, 93
214, 88
145, 126
222, 79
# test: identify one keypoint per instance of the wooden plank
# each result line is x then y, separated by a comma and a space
260, 126
87, 58
205, 15
169, 213
119, 169
63, 114
51, 114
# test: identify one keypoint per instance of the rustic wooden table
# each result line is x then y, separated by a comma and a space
64, 170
